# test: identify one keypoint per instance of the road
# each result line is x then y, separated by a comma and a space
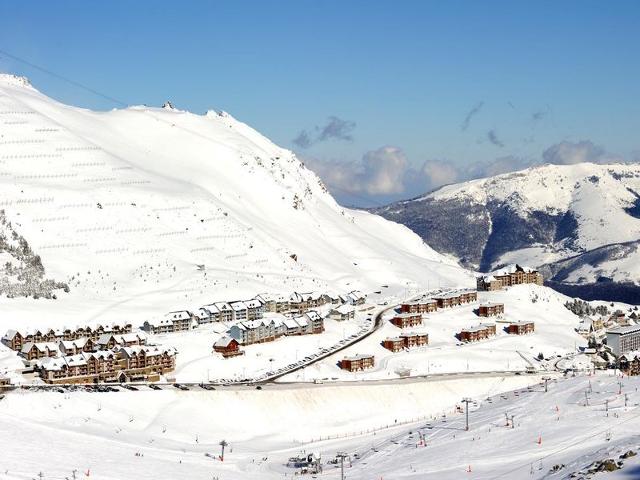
377, 323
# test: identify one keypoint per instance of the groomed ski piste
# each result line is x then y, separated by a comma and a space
173, 434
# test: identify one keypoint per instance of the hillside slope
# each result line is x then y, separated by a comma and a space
143, 210
541, 217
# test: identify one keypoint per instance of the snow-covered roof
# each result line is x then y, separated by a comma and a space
313, 315
358, 356
343, 309
624, 330
10, 335
77, 343
238, 306
477, 328
290, 323
178, 315
413, 334
224, 341
41, 346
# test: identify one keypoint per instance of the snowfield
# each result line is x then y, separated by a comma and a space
146, 210
165, 435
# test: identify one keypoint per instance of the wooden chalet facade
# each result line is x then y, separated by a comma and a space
405, 340
15, 340
419, 306
407, 320
357, 363
393, 344
475, 334
128, 363
629, 363
490, 309
520, 328
34, 351
447, 300
227, 347
413, 339
74, 347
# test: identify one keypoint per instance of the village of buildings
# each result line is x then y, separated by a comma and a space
330, 333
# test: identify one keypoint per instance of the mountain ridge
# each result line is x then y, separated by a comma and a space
143, 210
538, 216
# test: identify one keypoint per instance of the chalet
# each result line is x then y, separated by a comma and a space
405, 320
16, 340
590, 326
508, 276
33, 351
520, 328
181, 320
160, 326
317, 322
629, 363
109, 341
227, 347
447, 300
255, 309
137, 362
13, 339
357, 363
468, 296
172, 322
334, 299
342, 313
299, 325
619, 317
473, 334
313, 299
395, 344
240, 311
419, 306
268, 301
490, 309
356, 298
203, 315
413, 339
296, 302
257, 331
142, 362
74, 347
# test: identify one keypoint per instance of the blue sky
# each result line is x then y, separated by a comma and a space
382, 89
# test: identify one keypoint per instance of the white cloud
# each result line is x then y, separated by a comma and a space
380, 172
438, 173
569, 153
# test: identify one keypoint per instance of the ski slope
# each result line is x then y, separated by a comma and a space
145, 210
165, 435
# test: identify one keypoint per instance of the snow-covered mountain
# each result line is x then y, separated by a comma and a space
142, 210
579, 223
